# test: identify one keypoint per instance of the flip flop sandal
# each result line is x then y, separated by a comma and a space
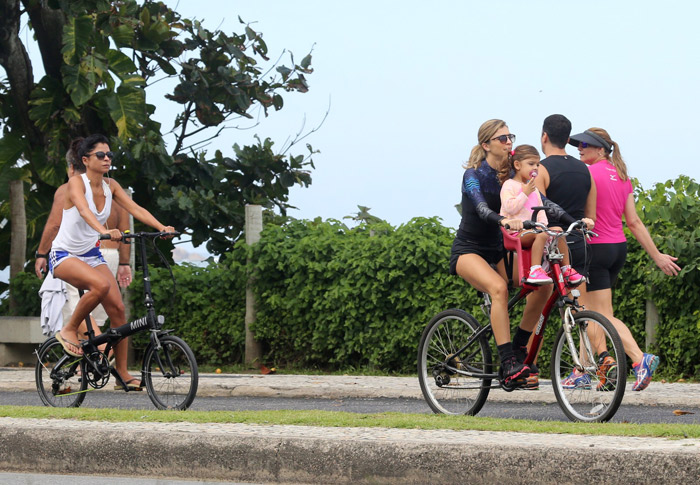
132, 387
65, 343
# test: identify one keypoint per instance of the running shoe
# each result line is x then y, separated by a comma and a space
514, 372
537, 276
607, 374
644, 370
532, 383
572, 277
576, 380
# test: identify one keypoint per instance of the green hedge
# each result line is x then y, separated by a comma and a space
207, 309
335, 297
330, 296
671, 212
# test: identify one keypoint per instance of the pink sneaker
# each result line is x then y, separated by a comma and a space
572, 277
537, 276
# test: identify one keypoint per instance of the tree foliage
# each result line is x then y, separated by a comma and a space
104, 64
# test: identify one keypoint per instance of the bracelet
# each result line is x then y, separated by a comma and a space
124, 264
39, 255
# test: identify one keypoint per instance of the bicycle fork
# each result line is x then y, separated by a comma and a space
569, 324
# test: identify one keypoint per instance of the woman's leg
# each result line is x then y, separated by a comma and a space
114, 307
601, 301
82, 276
478, 273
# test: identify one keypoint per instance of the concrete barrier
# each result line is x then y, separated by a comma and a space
19, 337
306, 454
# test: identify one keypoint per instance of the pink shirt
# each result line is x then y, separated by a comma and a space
610, 203
516, 205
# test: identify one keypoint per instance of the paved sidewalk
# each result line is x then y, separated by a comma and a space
335, 387
300, 454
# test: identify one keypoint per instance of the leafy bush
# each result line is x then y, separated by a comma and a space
208, 310
335, 297
671, 212
25, 287
330, 296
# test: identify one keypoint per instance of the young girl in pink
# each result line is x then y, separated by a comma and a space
518, 196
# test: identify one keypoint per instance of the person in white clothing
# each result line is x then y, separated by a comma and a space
116, 254
75, 254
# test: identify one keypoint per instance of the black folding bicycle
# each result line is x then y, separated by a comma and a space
169, 369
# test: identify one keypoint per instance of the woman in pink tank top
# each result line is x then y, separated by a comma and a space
615, 199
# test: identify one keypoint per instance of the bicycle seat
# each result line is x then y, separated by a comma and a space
512, 243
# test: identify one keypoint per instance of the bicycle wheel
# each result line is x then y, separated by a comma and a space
594, 392
445, 390
57, 376
170, 374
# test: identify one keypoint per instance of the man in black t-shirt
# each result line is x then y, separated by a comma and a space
566, 181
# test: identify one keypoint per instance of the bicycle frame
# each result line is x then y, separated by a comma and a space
113, 335
559, 297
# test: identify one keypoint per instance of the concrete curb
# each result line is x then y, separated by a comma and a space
296, 454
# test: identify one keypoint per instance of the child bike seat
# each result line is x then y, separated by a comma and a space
512, 243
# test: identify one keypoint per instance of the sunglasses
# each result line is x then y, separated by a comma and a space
583, 144
102, 155
504, 138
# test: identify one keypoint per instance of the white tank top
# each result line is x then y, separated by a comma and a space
75, 235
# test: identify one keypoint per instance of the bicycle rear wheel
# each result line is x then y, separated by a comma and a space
445, 390
595, 394
170, 374
57, 376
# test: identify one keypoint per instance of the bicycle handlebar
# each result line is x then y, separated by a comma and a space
538, 227
134, 235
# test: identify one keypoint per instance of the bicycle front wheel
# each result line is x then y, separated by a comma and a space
446, 390
170, 374
58, 376
593, 391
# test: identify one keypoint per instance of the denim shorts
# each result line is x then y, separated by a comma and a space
93, 257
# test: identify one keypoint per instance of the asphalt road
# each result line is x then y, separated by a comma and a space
539, 412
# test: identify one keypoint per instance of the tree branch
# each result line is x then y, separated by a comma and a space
15, 61
47, 24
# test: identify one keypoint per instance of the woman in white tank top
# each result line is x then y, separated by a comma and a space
75, 256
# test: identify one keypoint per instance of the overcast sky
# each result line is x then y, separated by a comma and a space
410, 82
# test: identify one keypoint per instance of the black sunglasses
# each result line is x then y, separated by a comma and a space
504, 138
102, 155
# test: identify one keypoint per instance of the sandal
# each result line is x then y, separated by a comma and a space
130, 386
65, 343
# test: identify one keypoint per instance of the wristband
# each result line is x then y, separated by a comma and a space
124, 264
39, 255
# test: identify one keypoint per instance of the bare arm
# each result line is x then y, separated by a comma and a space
542, 180
589, 210
665, 262
53, 223
124, 270
123, 226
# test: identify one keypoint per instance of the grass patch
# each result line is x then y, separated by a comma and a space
344, 419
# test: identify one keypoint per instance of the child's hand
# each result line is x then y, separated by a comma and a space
529, 187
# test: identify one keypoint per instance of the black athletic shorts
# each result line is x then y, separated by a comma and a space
491, 254
606, 264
